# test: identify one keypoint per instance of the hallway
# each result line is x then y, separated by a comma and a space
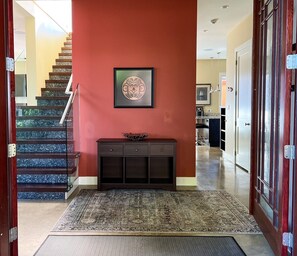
37, 219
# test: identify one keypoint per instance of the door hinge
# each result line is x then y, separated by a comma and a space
288, 239
289, 152
13, 234
11, 150
9, 64
292, 61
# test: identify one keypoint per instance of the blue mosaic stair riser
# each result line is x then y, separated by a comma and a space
55, 84
40, 112
41, 196
45, 162
53, 93
41, 163
64, 63
50, 102
38, 122
44, 134
43, 178
65, 57
62, 69
42, 148
59, 77
66, 50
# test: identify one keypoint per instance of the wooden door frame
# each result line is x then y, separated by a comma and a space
286, 25
8, 186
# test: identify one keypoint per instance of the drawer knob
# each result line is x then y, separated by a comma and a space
136, 150
110, 150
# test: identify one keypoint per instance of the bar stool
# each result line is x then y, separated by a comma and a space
199, 126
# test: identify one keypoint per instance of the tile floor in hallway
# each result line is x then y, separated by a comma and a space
213, 172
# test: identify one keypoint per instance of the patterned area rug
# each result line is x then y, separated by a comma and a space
156, 211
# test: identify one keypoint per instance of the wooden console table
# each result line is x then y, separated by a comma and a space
141, 164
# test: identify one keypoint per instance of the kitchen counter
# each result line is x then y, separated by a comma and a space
208, 117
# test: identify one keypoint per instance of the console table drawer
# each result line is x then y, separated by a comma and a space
136, 150
162, 149
111, 149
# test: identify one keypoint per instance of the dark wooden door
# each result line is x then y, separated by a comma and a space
271, 118
8, 188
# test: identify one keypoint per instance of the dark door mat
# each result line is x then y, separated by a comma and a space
139, 246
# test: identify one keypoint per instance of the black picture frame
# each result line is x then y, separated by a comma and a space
203, 96
134, 87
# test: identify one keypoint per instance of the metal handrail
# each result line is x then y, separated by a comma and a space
70, 100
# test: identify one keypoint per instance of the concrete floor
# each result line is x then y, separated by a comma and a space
213, 172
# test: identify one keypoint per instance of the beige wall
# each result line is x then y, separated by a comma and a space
48, 45
31, 60
208, 72
44, 40
238, 36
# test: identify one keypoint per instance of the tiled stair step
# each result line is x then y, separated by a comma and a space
68, 43
60, 91
65, 55
44, 132
35, 187
44, 145
62, 68
45, 160
40, 110
67, 49
45, 171
63, 62
52, 101
38, 121
56, 83
59, 75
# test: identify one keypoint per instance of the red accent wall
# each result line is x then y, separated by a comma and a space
136, 33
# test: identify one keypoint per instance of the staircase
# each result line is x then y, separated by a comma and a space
46, 160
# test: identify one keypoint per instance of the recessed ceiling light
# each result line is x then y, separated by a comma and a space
226, 6
214, 21
211, 57
208, 50
205, 30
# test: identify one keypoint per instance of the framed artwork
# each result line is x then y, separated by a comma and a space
133, 87
202, 94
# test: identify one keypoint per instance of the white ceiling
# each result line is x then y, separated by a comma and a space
214, 41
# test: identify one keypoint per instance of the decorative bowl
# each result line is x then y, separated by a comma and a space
135, 136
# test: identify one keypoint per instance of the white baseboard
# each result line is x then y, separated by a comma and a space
88, 180
186, 181
180, 181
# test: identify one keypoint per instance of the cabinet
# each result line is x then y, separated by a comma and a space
223, 128
142, 164
214, 132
